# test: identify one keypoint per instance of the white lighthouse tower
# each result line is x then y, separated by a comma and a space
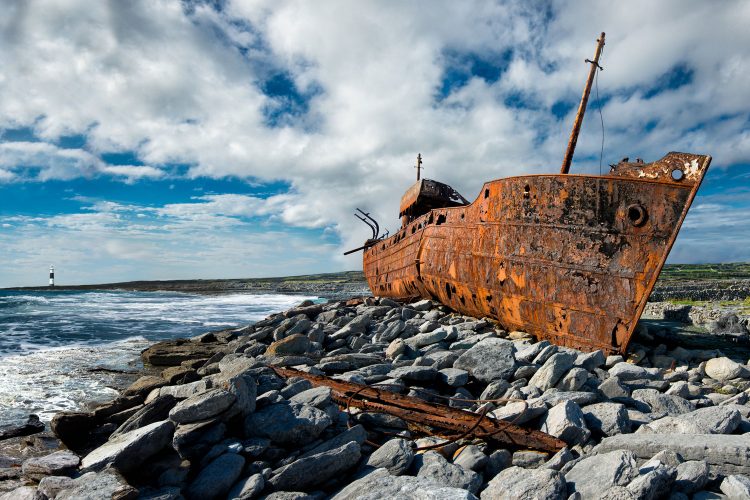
51, 275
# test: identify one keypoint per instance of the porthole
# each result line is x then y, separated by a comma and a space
637, 214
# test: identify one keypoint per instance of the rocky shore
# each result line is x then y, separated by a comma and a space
218, 422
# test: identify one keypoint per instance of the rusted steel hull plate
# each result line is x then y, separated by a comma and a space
569, 258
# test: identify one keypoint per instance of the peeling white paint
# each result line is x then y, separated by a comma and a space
642, 174
692, 168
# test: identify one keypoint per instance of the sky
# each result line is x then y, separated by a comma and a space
160, 139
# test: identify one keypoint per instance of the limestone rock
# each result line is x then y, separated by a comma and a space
597, 473
724, 369
174, 352
156, 410
20, 493
215, 480
573, 380
129, 450
552, 370
437, 469
653, 485
517, 483
736, 487
287, 424
379, 484
73, 428
395, 455
613, 389
59, 463
105, 484
488, 360
606, 418
182, 391
566, 422
50, 486
248, 488
725, 454
415, 373
144, 385
296, 344
663, 403
308, 472
471, 457
453, 377
202, 406
193, 440
319, 397
520, 412
395, 348
590, 360
691, 476
356, 434
629, 371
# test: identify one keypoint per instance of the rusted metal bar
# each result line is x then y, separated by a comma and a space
363, 247
582, 107
444, 419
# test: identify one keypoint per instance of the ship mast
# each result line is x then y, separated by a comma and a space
582, 107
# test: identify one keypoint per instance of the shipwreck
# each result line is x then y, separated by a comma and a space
566, 257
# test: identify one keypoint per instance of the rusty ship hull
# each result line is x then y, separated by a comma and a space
568, 258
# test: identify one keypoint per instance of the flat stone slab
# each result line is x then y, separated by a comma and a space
129, 450
725, 454
59, 463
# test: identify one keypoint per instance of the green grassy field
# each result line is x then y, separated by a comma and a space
686, 272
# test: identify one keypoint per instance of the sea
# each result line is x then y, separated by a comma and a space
67, 350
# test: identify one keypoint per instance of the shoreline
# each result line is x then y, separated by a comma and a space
411, 345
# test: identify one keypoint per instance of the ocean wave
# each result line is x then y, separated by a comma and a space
49, 345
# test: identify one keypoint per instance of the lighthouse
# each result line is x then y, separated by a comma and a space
51, 275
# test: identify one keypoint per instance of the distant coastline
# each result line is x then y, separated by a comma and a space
702, 282
329, 285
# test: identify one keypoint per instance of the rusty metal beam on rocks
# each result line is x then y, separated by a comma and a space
446, 421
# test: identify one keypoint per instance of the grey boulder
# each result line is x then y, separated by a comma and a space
59, 463
691, 476
724, 369
736, 486
663, 403
437, 469
287, 424
654, 484
314, 470
129, 450
517, 483
216, 479
380, 484
92, 485
552, 370
396, 455
597, 473
202, 406
565, 421
606, 419
488, 360
248, 488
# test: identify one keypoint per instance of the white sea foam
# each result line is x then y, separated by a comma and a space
49, 344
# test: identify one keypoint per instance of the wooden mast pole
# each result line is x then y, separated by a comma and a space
582, 107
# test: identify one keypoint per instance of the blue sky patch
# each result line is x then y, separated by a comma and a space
677, 76
460, 67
